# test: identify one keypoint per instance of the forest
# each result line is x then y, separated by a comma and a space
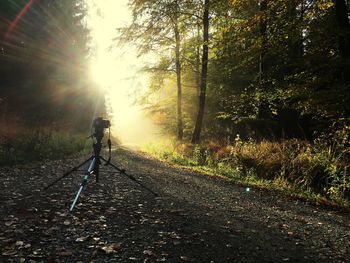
263, 86
261, 69
254, 88
43, 73
240, 111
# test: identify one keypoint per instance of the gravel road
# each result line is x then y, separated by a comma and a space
194, 218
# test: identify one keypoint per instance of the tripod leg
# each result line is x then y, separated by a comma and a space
97, 168
122, 171
68, 173
84, 182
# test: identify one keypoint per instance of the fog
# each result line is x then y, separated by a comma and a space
116, 70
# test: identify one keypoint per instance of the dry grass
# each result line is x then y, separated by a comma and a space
21, 144
317, 168
11, 127
298, 163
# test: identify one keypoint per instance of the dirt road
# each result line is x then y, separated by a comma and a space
195, 218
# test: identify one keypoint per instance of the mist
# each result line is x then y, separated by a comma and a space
116, 70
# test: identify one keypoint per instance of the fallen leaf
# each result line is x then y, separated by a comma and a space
148, 252
8, 253
81, 239
9, 223
174, 235
27, 246
19, 243
111, 248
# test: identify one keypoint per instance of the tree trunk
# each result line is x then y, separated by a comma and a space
342, 18
263, 36
198, 63
295, 41
263, 110
341, 13
203, 86
178, 79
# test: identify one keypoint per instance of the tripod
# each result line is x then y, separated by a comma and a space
95, 161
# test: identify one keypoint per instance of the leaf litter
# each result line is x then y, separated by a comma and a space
116, 220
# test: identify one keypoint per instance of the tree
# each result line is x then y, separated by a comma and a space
265, 59
46, 45
178, 71
156, 27
264, 39
343, 26
204, 72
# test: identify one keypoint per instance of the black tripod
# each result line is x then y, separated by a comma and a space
99, 125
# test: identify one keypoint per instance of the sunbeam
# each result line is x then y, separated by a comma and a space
116, 70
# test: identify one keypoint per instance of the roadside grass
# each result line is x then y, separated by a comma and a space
316, 172
41, 144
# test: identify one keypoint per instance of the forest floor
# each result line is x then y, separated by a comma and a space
195, 218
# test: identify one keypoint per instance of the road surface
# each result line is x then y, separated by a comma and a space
195, 218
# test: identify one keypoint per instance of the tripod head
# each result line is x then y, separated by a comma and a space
99, 124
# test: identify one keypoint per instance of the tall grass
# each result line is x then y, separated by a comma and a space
320, 168
39, 145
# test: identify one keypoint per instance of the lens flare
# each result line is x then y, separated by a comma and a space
20, 15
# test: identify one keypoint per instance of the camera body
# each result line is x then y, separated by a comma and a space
100, 123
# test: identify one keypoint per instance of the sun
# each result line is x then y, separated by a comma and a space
103, 72
103, 19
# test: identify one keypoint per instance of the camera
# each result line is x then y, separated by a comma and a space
100, 123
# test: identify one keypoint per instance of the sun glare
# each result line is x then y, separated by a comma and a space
116, 70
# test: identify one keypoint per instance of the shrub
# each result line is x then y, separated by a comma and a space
320, 167
39, 145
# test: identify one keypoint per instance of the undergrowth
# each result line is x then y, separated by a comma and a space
40, 145
318, 170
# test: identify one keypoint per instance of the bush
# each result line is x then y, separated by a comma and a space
320, 167
39, 145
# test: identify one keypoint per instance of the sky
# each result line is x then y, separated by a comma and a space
116, 70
